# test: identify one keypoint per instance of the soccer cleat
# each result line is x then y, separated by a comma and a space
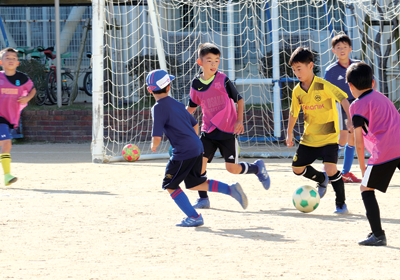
238, 194
9, 179
263, 174
341, 210
350, 178
202, 203
191, 222
372, 240
322, 186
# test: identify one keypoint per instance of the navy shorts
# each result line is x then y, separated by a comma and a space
188, 171
378, 176
229, 148
306, 155
4, 132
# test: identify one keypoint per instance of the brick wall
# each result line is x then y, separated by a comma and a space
61, 126
57, 126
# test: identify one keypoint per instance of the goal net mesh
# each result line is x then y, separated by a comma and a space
256, 39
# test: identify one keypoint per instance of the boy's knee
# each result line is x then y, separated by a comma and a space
299, 171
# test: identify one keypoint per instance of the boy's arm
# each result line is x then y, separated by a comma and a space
191, 109
155, 142
346, 107
289, 136
239, 128
25, 99
360, 149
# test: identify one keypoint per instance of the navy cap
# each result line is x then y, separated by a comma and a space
158, 79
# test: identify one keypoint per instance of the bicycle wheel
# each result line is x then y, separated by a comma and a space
87, 83
66, 87
67, 82
51, 87
40, 97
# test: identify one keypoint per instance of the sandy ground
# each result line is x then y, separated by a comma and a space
67, 218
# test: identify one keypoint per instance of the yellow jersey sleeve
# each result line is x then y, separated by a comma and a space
295, 106
335, 92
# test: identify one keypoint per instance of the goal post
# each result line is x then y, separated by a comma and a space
256, 38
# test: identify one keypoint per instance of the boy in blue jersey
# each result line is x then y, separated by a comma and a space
336, 74
317, 98
172, 118
221, 121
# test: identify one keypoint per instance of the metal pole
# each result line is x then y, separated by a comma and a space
58, 51
157, 36
231, 42
97, 82
275, 69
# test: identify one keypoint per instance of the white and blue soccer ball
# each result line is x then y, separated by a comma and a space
306, 199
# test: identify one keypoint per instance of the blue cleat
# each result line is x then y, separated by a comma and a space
263, 174
322, 186
202, 203
191, 222
372, 240
341, 210
238, 194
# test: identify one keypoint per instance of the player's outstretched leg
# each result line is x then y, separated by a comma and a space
321, 178
193, 219
263, 174
6, 162
234, 190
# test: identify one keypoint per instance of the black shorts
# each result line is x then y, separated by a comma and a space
188, 170
342, 115
306, 155
378, 176
229, 148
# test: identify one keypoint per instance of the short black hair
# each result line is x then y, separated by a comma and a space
163, 90
6, 50
302, 55
360, 75
343, 38
207, 48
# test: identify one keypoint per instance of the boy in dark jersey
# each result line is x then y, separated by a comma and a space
16, 89
376, 125
336, 74
171, 117
317, 98
216, 95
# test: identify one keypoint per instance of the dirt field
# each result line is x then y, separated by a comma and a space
67, 218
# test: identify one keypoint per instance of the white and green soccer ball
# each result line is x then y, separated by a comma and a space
306, 199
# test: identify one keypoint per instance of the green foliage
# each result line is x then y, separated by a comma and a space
36, 72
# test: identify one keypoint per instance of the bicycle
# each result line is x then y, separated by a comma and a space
51, 79
87, 80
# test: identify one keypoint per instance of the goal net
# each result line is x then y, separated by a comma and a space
256, 39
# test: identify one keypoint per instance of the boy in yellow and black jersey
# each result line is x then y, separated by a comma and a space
317, 98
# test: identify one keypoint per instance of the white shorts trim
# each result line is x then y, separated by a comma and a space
367, 173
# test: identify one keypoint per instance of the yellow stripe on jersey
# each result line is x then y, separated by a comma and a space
321, 120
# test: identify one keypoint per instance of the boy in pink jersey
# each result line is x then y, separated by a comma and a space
376, 122
216, 95
16, 89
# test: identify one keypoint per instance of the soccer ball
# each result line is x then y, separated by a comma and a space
306, 199
131, 152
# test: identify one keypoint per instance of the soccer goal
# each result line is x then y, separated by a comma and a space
256, 38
